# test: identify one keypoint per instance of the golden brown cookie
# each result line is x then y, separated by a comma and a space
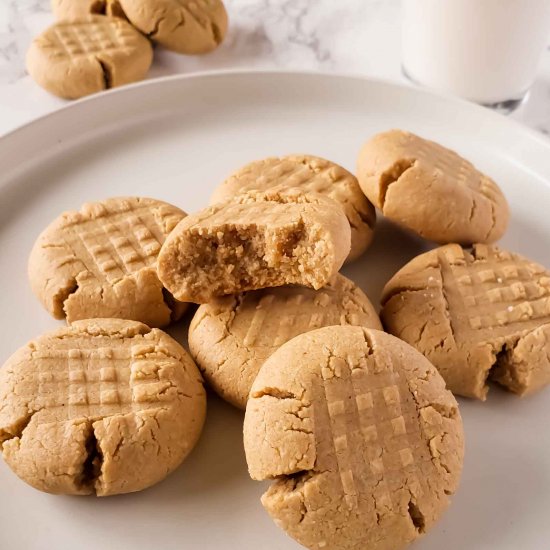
232, 336
477, 315
363, 440
308, 173
431, 190
259, 240
75, 58
76, 9
184, 26
101, 261
105, 406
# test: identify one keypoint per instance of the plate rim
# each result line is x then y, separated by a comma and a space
412, 89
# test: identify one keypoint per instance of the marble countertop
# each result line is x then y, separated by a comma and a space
348, 36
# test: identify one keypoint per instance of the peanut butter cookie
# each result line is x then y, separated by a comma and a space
477, 315
259, 240
78, 57
232, 336
101, 261
184, 26
363, 440
104, 406
431, 190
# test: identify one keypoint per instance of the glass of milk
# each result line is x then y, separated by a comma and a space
486, 51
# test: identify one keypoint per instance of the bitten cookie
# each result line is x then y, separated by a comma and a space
76, 9
231, 337
184, 26
477, 315
258, 240
364, 441
101, 261
431, 190
104, 406
308, 173
75, 58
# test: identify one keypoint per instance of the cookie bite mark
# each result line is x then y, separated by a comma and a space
259, 240
308, 174
478, 315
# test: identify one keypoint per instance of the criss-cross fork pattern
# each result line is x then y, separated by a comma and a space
373, 439
497, 296
456, 169
112, 246
79, 382
315, 175
89, 38
298, 311
274, 331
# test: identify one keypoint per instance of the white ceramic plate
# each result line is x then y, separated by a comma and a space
177, 138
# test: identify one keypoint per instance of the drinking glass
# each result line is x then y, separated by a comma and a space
486, 51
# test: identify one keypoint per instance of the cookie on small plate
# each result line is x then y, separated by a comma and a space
431, 190
478, 315
105, 406
308, 173
363, 440
74, 58
258, 240
184, 26
232, 336
101, 261
74, 9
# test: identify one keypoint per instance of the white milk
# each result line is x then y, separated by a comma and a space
483, 50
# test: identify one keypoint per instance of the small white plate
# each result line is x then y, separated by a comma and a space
176, 139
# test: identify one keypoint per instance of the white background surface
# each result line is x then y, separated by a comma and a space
176, 141
351, 36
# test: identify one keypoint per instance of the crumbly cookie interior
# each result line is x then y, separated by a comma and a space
247, 256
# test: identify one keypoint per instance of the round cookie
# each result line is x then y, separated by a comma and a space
75, 58
184, 26
363, 440
478, 315
101, 261
232, 336
76, 9
308, 173
103, 407
431, 190
258, 240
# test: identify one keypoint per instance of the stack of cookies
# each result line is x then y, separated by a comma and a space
100, 44
357, 427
